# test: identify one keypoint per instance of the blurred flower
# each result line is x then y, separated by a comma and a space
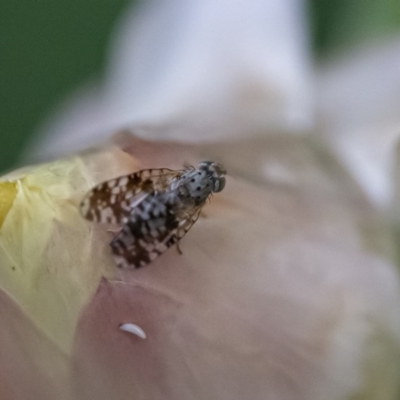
197, 71
287, 287
359, 101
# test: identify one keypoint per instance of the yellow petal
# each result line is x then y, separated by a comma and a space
51, 258
8, 192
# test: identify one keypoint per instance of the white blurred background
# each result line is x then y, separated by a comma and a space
204, 70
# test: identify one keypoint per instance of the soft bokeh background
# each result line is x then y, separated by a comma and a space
49, 48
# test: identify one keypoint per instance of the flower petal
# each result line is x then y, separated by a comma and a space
278, 293
8, 192
195, 71
50, 257
31, 365
210, 69
359, 102
266, 302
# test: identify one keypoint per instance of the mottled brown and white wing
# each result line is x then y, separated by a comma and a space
112, 201
144, 238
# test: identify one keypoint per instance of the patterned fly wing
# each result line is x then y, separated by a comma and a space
145, 237
112, 201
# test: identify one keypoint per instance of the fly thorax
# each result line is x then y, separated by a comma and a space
195, 187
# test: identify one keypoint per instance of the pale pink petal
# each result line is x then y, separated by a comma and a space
31, 366
275, 296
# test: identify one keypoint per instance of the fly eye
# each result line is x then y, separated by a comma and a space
219, 184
